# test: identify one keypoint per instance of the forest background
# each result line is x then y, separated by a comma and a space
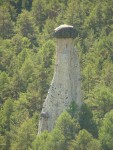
27, 54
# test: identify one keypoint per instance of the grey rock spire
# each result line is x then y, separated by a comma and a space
65, 86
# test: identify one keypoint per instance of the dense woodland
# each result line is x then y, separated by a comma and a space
27, 54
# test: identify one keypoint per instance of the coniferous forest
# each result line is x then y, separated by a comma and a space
27, 54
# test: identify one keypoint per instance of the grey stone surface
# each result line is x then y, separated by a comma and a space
65, 86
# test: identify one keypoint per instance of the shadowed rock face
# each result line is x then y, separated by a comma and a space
65, 31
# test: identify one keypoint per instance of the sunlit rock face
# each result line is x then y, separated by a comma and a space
65, 86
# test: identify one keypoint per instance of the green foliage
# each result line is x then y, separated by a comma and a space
6, 24
68, 125
56, 140
2, 142
64, 131
86, 120
25, 135
100, 101
19, 43
26, 4
59, 138
106, 131
73, 109
85, 141
26, 26
27, 53
39, 12
5, 123
4, 86
40, 141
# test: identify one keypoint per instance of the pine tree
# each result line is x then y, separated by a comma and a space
6, 24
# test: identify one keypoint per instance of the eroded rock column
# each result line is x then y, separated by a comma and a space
65, 86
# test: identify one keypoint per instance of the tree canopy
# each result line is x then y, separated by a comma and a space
27, 54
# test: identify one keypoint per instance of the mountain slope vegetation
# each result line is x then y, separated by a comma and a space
27, 54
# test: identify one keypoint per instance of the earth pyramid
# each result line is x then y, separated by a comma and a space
65, 87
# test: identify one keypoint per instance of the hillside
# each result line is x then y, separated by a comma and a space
27, 54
